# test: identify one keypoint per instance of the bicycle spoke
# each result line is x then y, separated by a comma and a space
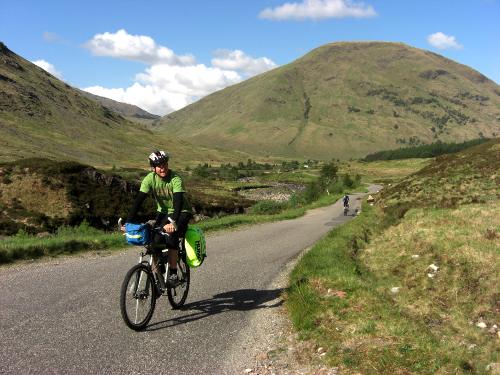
178, 294
137, 300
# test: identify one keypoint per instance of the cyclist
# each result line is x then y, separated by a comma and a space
173, 209
345, 199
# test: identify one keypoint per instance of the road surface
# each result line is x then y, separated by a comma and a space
62, 316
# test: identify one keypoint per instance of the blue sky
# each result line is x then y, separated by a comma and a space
163, 55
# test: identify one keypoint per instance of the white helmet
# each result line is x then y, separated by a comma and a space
158, 158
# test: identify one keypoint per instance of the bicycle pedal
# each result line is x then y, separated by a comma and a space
160, 289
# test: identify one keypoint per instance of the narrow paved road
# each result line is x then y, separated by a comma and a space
62, 316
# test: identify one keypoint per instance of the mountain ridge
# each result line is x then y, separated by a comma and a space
129, 111
345, 99
42, 116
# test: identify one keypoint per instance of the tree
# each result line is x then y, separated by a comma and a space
328, 173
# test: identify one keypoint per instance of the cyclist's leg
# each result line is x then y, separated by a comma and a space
173, 242
159, 243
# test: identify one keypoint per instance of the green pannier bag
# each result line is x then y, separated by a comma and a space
194, 242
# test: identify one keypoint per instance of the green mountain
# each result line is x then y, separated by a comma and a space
129, 111
345, 100
41, 116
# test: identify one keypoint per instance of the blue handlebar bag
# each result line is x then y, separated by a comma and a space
137, 234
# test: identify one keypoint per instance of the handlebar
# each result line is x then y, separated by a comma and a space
158, 230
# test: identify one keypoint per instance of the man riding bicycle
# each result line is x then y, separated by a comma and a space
345, 199
173, 209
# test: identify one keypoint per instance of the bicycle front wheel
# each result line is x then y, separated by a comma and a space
138, 297
177, 295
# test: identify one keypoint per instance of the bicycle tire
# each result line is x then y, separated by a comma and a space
177, 295
142, 295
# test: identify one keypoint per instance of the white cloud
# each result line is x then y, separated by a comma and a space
239, 61
48, 67
135, 47
443, 41
171, 82
195, 80
318, 9
162, 89
146, 97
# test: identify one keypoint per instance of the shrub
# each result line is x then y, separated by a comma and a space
347, 181
312, 192
267, 207
201, 171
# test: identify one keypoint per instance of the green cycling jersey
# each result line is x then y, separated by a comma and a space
163, 190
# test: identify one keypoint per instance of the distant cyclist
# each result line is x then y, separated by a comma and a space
173, 208
345, 199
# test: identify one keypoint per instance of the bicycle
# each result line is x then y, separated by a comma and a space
346, 209
142, 286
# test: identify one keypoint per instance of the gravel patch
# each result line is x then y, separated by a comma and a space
269, 344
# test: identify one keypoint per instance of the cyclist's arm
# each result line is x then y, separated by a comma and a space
139, 200
178, 197
178, 200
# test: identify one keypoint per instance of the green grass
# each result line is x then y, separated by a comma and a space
232, 221
342, 294
386, 171
429, 325
470, 176
67, 240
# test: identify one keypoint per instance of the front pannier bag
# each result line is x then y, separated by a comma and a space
138, 234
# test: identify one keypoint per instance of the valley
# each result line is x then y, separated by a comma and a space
408, 285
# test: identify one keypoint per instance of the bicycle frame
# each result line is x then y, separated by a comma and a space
149, 262
145, 283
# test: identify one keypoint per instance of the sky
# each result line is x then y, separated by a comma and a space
162, 55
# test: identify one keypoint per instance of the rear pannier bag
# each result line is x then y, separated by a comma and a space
194, 242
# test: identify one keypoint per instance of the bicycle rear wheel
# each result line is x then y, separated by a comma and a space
138, 297
177, 295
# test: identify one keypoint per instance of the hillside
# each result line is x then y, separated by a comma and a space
40, 195
129, 111
41, 116
470, 176
410, 286
345, 100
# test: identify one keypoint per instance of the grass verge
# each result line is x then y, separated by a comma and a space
66, 240
232, 221
367, 294
69, 240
